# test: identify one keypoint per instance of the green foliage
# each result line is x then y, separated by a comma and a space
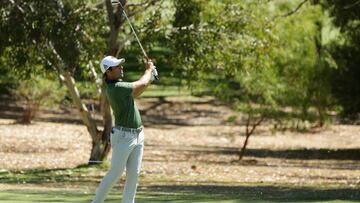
87, 90
243, 54
345, 79
40, 26
304, 63
41, 91
35, 92
228, 52
236, 50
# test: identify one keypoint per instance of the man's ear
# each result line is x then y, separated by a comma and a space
107, 73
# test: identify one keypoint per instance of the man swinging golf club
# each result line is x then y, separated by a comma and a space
127, 137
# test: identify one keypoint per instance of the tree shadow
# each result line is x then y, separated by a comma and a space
164, 112
303, 158
307, 154
301, 154
258, 193
158, 112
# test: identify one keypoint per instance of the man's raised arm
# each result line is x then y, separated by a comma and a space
140, 85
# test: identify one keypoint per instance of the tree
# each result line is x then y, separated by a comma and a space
345, 50
36, 92
225, 47
63, 37
54, 35
304, 63
258, 65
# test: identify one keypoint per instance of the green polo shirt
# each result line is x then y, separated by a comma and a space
122, 103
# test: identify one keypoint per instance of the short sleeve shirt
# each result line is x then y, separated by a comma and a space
120, 98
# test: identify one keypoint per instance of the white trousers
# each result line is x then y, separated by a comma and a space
127, 151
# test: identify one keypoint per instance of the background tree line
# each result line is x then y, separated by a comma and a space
286, 62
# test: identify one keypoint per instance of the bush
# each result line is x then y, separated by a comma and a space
37, 92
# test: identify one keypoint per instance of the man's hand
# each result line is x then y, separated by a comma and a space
149, 65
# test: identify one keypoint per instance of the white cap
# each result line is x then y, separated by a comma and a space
110, 61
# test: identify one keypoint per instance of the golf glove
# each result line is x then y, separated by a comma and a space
154, 75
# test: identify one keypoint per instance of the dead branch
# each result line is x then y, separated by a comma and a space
143, 7
352, 5
294, 11
291, 12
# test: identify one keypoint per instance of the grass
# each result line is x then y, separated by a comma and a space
250, 195
78, 185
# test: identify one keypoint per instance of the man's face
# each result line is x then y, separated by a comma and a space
117, 72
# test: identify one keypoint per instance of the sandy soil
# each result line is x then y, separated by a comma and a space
189, 141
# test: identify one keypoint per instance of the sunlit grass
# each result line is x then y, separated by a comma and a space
171, 197
78, 185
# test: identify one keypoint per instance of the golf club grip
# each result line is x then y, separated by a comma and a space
155, 74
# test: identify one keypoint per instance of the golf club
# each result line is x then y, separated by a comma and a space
117, 2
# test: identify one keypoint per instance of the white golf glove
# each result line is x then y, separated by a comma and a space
154, 75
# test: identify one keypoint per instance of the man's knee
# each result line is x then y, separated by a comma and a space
132, 173
115, 173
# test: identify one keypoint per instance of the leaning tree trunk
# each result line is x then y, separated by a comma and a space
85, 115
84, 112
100, 141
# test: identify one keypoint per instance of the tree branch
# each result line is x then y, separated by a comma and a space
296, 9
247, 125
136, 4
147, 5
256, 124
293, 11
95, 77
352, 5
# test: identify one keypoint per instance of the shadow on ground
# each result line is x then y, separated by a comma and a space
303, 154
159, 112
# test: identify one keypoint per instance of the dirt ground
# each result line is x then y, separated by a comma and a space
189, 141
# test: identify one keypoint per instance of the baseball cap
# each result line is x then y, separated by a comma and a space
110, 61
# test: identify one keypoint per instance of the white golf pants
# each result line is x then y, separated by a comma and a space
127, 151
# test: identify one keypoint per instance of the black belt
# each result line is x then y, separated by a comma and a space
132, 130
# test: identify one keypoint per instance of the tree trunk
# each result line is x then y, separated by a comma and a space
101, 147
248, 133
28, 113
85, 115
242, 152
115, 21
84, 112
100, 141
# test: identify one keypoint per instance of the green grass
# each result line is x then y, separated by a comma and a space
247, 196
58, 186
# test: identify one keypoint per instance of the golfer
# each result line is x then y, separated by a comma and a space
127, 137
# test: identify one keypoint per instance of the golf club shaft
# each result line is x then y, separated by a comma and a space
132, 28
117, 2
